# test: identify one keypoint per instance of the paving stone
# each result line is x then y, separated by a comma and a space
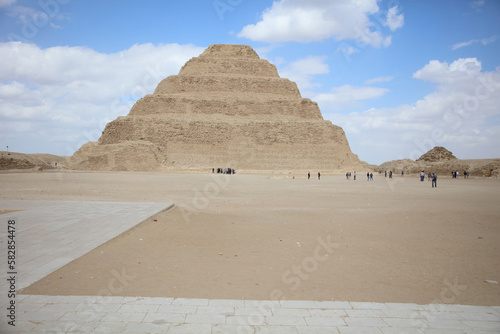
250, 311
215, 310
325, 321
359, 330
134, 328
131, 317
110, 327
365, 313
154, 301
277, 320
246, 320
190, 302
226, 302
142, 308
405, 322
365, 322
451, 324
297, 304
177, 309
368, 306
401, 330
205, 319
483, 325
275, 330
445, 331
490, 316
404, 314
316, 330
404, 306
164, 318
291, 312
232, 329
190, 329
333, 305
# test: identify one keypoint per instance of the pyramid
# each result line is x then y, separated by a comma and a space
225, 108
438, 153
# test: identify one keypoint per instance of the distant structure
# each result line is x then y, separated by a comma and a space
225, 108
437, 154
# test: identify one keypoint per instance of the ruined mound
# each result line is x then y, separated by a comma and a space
225, 108
15, 160
12, 163
437, 154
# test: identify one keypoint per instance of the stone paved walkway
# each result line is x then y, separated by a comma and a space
50, 234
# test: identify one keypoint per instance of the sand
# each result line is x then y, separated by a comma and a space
256, 237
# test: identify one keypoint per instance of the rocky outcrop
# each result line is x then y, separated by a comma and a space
226, 107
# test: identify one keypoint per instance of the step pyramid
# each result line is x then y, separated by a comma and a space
225, 108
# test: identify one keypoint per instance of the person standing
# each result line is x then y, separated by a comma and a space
308, 175
354, 175
319, 175
434, 180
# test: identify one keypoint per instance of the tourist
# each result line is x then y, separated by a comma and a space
308, 175
390, 174
371, 176
422, 176
402, 173
434, 180
385, 173
368, 176
354, 175
319, 175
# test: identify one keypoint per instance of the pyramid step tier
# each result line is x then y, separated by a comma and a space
226, 105
204, 131
213, 84
229, 67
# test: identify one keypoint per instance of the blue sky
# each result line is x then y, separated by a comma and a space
398, 76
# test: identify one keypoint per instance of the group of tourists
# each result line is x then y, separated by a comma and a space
348, 175
309, 176
430, 177
224, 170
390, 174
455, 174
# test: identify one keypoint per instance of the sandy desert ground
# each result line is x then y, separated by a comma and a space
261, 237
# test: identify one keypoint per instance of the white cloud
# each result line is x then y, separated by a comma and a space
301, 71
460, 70
394, 20
461, 114
316, 20
379, 79
347, 96
483, 41
72, 92
6, 3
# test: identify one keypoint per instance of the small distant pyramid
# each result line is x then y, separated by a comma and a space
225, 108
437, 154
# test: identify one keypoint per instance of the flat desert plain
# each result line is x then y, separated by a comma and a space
261, 237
